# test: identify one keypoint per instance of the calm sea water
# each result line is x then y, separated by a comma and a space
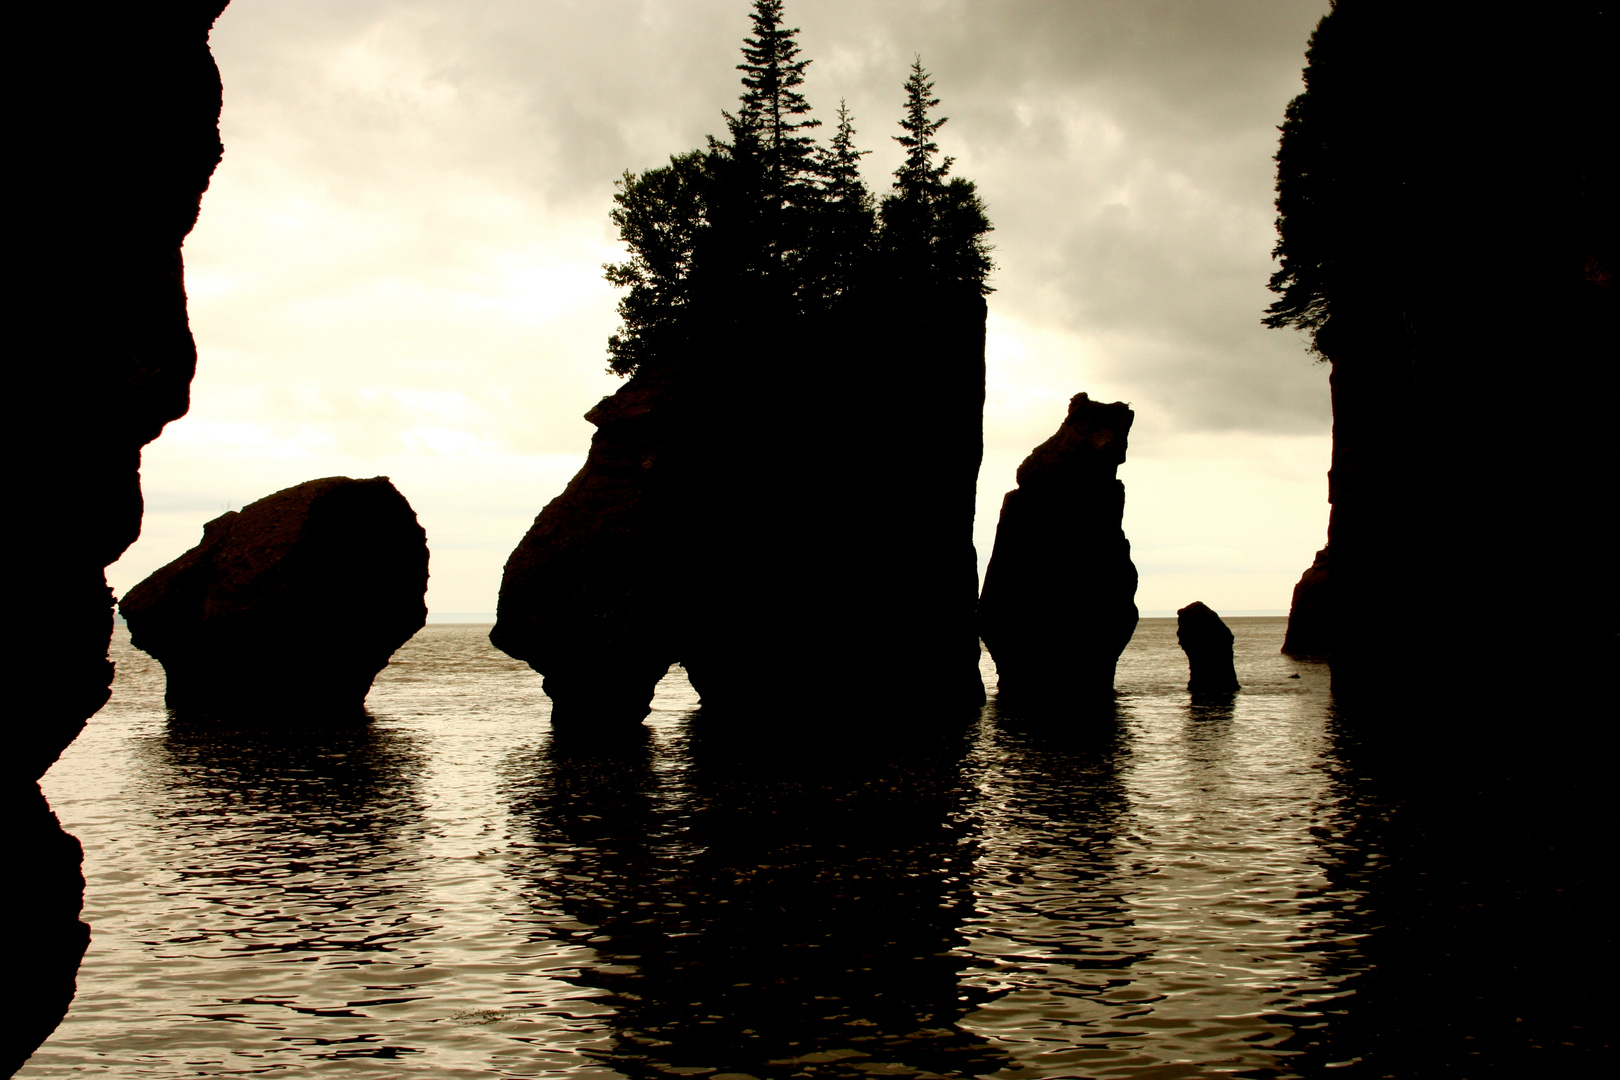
1175, 890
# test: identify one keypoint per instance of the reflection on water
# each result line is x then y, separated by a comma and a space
760, 914
1175, 889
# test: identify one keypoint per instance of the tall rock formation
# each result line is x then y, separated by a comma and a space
289, 607
1468, 312
115, 135
758, 527
1207, 641
1059, 593
590, 596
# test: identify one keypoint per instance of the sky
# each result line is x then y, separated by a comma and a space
397, 267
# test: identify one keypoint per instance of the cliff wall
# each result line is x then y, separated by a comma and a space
1455, 220
115, 132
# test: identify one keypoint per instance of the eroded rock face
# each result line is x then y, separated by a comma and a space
1310, 615
743, 525
289, 607
588, 598
1058, 605
1434, 503
114, 139
1207, 641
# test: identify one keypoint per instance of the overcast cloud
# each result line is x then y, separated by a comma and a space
397, 269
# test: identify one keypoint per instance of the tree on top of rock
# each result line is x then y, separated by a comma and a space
933, 228
918, 178
775, 115
772, 227
661, 215
845, 224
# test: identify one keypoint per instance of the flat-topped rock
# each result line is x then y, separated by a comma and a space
290, 606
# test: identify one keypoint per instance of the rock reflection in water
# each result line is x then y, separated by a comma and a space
766, 912
1176, 888
297, 841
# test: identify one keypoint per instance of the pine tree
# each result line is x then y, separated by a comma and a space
774, 114
843, 227
758, 232
918, 177
841, 166
932, 229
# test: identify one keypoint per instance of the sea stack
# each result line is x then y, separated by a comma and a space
750, 528
587, 597
1310, 615
289, 607
1207, 641
1059, 604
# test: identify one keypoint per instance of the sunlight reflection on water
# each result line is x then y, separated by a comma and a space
446, 892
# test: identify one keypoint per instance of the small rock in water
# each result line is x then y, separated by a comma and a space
1208, 644
290, 606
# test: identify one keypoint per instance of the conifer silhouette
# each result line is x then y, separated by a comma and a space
932, 229
772, 106
771, 226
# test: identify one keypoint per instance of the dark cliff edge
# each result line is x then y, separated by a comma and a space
1446, 199
117, 120
1310, 611
288, 608
1059, 601
752, 526
1472, 366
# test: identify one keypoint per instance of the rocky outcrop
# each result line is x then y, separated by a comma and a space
1207, 641
289, 607
744, 526
106, 355
1310, 614
113, 142
1058, 605
589, 597
1472, 369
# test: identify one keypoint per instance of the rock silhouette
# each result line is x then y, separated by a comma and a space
1207, 641
113, 156
1059, 593
290, 606
1310, 614
1379, 199
709, 527
588, 598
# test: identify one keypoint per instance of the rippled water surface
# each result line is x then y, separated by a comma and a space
1173, 890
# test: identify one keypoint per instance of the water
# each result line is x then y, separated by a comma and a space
1178, 890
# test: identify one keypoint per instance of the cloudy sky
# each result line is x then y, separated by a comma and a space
397, 268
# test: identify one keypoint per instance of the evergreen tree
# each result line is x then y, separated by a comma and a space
771, 227
932, 229
844, 225
918, 178
661, 215
774, 117
841, 165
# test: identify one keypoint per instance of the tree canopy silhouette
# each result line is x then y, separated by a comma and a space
774, 224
